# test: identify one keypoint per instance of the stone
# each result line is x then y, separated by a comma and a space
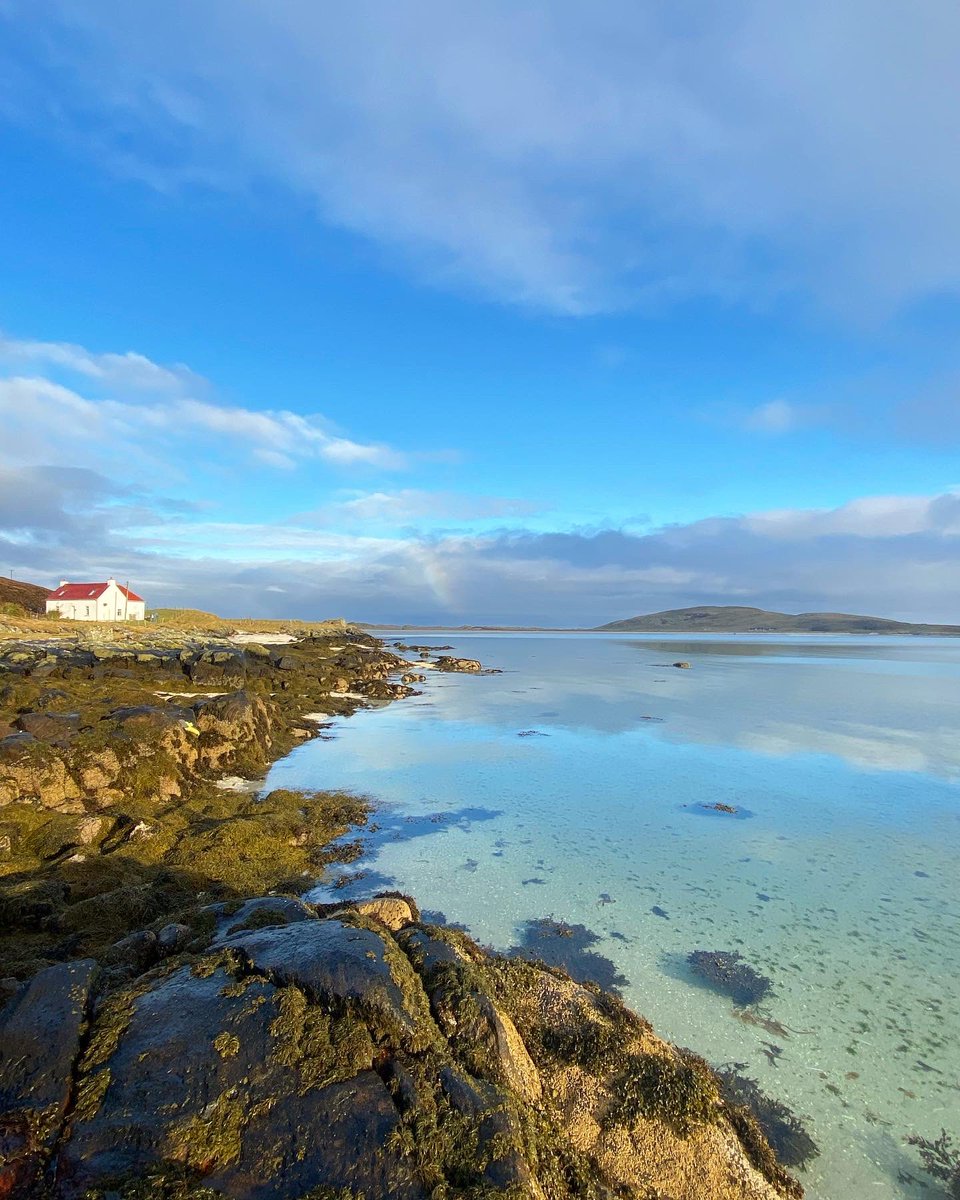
41, 1028
147, 718
260, 913
56, 728
333, 960
206, 1071
683, 666
137, 951
393, 911
173, 937
88, 829
446, 663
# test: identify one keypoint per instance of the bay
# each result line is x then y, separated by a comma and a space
575, 791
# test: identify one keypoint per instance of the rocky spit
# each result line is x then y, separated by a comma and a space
175, 1021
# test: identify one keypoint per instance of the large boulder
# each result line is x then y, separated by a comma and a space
236, 1081
336, 962
234, 727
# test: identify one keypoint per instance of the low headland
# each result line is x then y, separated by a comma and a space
177, 1021
722, 618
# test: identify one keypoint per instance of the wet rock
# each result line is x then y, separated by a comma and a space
260, 913
333, 960
261, 1079
56, 728
682, 666
446, 663
305, 1059
40, 1032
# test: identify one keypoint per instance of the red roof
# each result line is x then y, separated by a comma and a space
88, 591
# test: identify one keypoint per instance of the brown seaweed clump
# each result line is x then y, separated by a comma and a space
725, 971
781, 1126
940, 1160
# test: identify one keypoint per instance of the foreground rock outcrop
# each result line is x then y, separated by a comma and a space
306, 1054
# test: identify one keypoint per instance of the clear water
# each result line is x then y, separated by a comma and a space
839, 878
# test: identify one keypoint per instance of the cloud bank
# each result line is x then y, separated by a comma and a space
92, 484
890, 556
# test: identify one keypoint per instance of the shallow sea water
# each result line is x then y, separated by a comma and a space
839, 877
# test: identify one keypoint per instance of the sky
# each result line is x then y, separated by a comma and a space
487, 312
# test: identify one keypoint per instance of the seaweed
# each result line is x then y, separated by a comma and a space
781, 1126
559, 944
677, 1088
940, 1160
725, 971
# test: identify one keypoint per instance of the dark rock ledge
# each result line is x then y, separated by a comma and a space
307, 1054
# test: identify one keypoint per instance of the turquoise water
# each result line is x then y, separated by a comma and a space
837, 878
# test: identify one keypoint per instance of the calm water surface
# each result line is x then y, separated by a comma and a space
838, 878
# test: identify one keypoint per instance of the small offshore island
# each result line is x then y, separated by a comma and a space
178, 1022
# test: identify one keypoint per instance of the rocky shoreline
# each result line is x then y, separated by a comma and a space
179, 1023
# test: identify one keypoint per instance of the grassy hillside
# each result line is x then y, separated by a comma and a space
27, 597
739, 619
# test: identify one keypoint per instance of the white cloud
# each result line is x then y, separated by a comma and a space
45, 420
125, 371
565, 156
866, 517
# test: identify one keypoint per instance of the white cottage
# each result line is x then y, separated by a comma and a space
109, 601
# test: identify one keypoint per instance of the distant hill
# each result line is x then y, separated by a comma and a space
731, 618
29, 596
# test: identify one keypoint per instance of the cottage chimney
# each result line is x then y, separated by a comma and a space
111, 580
63, 582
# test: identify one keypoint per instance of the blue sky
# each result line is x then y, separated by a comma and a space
487, 312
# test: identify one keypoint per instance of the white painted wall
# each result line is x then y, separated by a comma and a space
112, 605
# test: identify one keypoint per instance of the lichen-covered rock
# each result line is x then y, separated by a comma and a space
235, 727
31, 770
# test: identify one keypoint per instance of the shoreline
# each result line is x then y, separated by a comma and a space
142, 877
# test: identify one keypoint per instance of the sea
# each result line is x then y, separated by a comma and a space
565, 808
